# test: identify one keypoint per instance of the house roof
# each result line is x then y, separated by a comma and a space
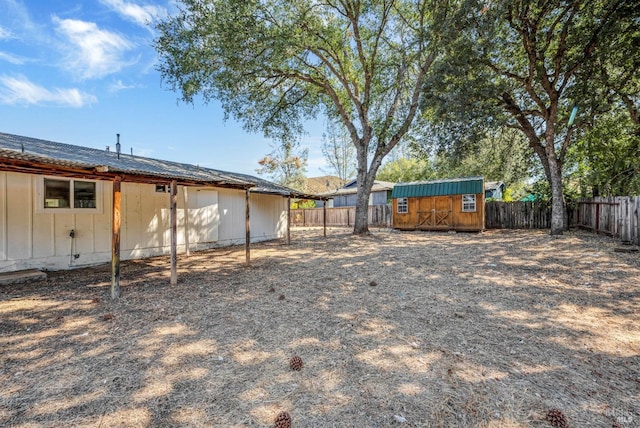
454, 186
323, 184
493, 185
351, 188
31, 155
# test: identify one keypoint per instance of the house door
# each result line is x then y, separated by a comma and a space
434, 212
203, 216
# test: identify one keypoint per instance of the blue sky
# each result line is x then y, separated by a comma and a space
81, 72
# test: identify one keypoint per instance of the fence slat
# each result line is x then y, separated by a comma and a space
615, 216
517, 215
378, 215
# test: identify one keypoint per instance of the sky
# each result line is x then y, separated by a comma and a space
80, 72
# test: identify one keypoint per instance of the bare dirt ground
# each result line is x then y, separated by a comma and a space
407, 329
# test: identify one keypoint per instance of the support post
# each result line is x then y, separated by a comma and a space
173, 208
185, 195
289, 220
247, 239
324, 217
115, 239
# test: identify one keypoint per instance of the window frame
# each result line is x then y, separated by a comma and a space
405, 204
469, 206
41, 193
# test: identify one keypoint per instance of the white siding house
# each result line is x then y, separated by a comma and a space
55, 216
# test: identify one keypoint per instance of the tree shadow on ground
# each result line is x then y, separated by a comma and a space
439, 329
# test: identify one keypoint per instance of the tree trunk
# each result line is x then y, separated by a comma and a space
557, 196
366, 177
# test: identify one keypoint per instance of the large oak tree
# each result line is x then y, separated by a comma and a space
274, 63
525, 65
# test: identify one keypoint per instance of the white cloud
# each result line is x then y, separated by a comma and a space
11, 58
93, 52
5, 34
118, 86
140, 14
20, 90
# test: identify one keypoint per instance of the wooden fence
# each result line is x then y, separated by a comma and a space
379, 216
617, 216
517, 215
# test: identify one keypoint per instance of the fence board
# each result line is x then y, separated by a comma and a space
379, 216
517, 215
615, 215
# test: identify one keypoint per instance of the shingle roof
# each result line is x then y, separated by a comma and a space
454, 186
19, 148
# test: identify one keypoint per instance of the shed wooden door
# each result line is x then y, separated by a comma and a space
434, 212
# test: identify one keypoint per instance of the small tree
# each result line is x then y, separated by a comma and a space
286, 164
339, 152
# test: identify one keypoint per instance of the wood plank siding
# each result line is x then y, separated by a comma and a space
439, 213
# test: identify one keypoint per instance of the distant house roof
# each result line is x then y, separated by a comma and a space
493, 185
352, 188
323, 184
31, 155
455, 186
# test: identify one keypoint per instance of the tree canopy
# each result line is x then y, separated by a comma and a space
523, 64
273, 63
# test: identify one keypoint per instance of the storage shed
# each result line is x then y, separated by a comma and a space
453, 204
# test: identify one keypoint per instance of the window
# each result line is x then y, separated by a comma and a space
468, 203
84, 194
403, 205
67, 194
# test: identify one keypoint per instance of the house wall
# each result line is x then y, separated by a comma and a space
439, 213
375, 198
31, 239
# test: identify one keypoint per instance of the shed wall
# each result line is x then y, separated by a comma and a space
40, 240
439, 213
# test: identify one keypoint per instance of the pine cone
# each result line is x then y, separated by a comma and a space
283, 420
296, 363
557, 419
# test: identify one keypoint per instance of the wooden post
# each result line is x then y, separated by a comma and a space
247, 239
324, 217
289, 220
115, 239
173, 208
185, 195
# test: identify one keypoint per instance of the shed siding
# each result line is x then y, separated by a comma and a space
19, 216
40, 240
439, 213
3, 216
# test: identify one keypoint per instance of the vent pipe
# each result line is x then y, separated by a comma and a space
118, 145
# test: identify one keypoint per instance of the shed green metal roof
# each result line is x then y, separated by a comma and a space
455, 186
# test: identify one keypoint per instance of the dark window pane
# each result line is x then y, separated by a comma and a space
56, 193
84, 194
